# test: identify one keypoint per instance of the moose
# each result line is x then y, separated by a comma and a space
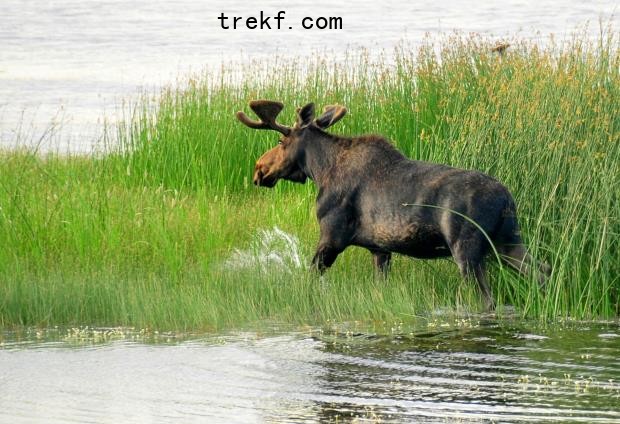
371, 195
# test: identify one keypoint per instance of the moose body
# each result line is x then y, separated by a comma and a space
371, 195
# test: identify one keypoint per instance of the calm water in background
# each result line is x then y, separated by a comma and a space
65, 64
458, 370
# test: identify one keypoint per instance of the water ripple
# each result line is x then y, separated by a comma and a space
487, 372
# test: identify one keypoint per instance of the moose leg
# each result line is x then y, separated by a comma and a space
381, 260
334, 239
469, 257
325, 256
478, 272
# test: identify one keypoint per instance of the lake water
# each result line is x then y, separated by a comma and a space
442, 370
67, 64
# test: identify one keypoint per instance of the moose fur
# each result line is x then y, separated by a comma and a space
371, 195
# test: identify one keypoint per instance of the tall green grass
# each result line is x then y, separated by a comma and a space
140, 235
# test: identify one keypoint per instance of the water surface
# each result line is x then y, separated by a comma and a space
65, 64
444, 370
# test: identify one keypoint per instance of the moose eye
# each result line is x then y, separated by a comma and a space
280, 141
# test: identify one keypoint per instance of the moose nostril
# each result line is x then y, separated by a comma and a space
257, 177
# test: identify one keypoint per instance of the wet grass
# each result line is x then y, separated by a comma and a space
142, 235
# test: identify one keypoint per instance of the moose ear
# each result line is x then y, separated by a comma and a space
331, 115
305, 115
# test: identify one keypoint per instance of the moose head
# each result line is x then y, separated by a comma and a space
286, 160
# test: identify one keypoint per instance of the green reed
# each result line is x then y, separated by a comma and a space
140, 236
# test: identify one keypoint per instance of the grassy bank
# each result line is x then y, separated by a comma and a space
144, 236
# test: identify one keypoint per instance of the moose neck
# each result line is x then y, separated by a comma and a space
321, 152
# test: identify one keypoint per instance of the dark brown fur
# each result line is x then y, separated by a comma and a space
372, 196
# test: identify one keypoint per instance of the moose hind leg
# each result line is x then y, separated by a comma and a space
478, 272
470, 260
381, 260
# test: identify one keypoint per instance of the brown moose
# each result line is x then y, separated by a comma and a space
370, 195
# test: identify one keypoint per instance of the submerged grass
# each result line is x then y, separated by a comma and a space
142, 235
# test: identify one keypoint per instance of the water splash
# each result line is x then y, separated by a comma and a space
268, 249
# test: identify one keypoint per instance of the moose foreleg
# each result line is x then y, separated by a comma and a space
335, 237
324, 257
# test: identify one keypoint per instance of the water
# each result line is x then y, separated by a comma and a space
440, 370
269, 251
66, 65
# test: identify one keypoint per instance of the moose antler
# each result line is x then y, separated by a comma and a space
267, 111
